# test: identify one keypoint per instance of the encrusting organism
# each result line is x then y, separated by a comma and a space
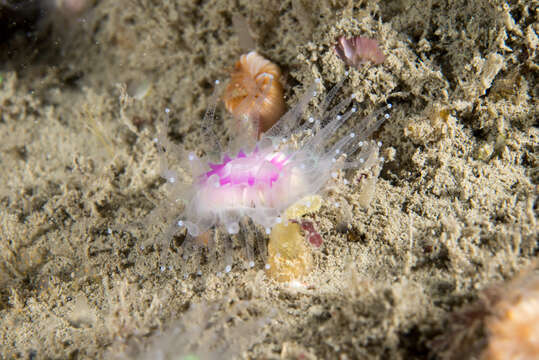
254, 94
291, 161
513, 329
358, 51
502, 324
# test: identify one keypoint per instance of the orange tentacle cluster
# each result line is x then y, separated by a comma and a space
254, 95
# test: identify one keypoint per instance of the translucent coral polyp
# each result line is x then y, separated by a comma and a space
292, 160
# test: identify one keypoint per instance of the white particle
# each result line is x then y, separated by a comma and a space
251, 264
217, 82
386, 116
268, 230
167, 110
311, 119
334, 175
180, 223
333, 160
162, 268
353, 135
337, 204
228, 268
267, 266
233, 228
314, 93
172, 180
361, 161
345, 182
278, 220
155, 140
379, 144
389, 106
317, 80
360, 143
339, 117
191, 156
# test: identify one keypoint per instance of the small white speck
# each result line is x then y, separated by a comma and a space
354, 109
379, 144
109, 231
317, 80
311, 119
172, 180
345, 182
155, 140
251, 264
382, 159
167, 110
185, 276
361, 161
339, 117
386, 116
334, 175
217, 82
308, 204
170, 267
219, 274
346, 73
314, 93
228, 268
268, 231
360, 143
267, 266
338, 151
142, 247
353, 96
162, 268
283, 140
180, 223
353, 135
337, 204
233, 228
389, 106
278, 220
191, 156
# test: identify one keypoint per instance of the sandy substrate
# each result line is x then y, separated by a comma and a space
454, 210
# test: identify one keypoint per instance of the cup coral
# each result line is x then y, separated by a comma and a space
292, 160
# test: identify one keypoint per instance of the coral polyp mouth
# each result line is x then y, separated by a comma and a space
251, 169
